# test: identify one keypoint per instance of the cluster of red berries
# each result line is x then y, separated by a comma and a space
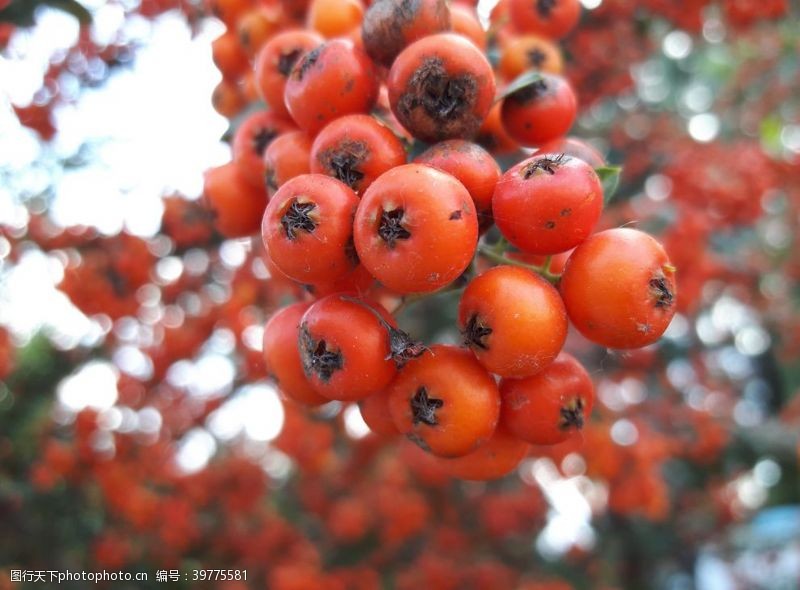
347, 216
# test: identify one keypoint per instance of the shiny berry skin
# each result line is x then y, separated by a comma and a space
286, 157
416, 229
513, 320
550, 18
472, 165
283, 358
275, 62
619, 288
334, 79
307, 229
550, 407
375, 412
252, 139
356, 149
498, 457
541, 111
445, 402
441, 87
548, 203
529, 52
236, 204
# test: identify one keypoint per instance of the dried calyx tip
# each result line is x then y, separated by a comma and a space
545, 164
423, 407
403, 348
475, 332
391, 227
297, 218
317, 359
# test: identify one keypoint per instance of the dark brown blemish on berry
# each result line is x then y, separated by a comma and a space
475, 333
391, 227
343, 161
383, 28
262, 139
423, 408
387, 26
436, 104
455, 215
316, 358
442, 96
286, 61
549, 224
298, 218
308, 62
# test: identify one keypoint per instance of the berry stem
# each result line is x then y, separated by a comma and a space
414, 298
547, 262
499, 257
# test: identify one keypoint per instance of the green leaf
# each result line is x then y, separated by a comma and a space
524, 80
609, 177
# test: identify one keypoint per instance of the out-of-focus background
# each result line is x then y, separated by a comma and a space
138, 430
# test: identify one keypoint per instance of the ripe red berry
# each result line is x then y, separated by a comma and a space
334, 79
551, 18
286, 157
251, 140
237, 205
548, 204
541, 111
548, 408
275, 62
472, 165
375, 412
282, 357
350, 349
308, 229
445, 402
498, 457
356, 149
619, 288
513, 320
416, 229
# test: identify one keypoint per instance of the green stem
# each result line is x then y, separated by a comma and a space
500, 258
415, 297
500, 246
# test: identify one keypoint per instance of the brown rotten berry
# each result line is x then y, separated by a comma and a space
390, 25
441, 87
